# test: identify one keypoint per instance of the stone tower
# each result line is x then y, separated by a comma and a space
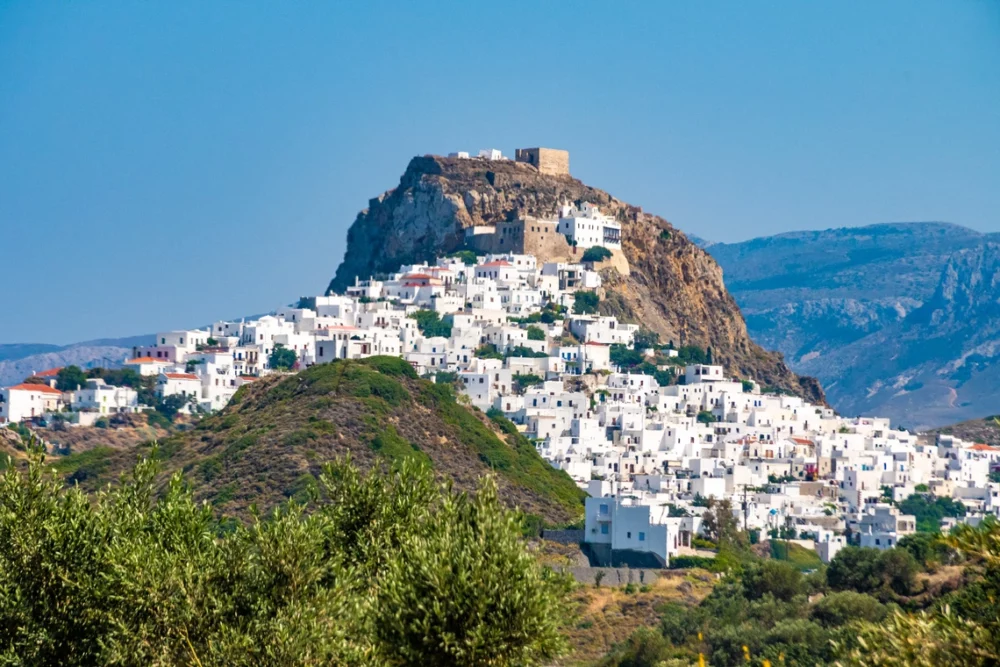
547, 160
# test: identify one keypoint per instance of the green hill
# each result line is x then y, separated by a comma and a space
274, 436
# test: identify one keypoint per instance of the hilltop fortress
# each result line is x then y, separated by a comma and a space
549, 161
575, 229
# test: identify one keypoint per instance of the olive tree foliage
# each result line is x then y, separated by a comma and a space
386, 568
964, 631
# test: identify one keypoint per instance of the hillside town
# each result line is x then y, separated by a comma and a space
656, 433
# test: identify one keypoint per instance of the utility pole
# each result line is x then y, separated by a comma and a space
746, 510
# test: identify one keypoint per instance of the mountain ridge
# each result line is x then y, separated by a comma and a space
895, 319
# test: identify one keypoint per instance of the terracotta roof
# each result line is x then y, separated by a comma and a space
249, 378
51, 373
498, 262
803, 441
980, 447
147, 360
42, 388
422, 276
181, 376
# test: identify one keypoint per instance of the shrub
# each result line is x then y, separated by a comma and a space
706, 417
781, 580
586, 303
281, 358
929, 512
842, 607
467, 257
536, 333
872, 571
431, 324
488, 351
596, 254
354, 581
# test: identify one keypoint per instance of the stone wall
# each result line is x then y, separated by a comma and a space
532, 236
551, 161
617, 576
567, 536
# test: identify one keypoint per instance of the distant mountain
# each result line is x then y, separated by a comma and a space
698, 241
895, 319
18, 361
21, 350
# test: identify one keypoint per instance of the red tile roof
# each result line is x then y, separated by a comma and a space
181, 376
51, 373
147, 360
498, 262
42, 388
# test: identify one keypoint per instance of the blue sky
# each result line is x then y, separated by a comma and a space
166, 164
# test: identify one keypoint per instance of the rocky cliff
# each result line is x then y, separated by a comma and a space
674, 287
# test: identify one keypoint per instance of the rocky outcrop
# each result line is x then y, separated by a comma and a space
674, 287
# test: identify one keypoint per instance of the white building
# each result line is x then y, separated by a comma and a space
587, 227
98, 396
628, 527
27, 401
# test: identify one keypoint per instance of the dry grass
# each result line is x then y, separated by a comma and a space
558, 555
608, 615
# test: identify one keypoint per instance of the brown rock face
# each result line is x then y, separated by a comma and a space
675, 288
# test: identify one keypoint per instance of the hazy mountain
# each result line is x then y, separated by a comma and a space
895, 319
18, 361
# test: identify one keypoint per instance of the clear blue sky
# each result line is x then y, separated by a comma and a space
166, 164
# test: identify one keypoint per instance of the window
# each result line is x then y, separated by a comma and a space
604, 508
604, 529
642, 537
629, 534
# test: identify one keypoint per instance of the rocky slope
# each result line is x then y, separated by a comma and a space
275, 435
986, 431
897, 320
674, 287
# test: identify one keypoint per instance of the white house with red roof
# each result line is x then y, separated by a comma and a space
49, 376
28, 401
499, 270
187, 385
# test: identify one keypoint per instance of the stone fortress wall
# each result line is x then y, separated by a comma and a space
531, 236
